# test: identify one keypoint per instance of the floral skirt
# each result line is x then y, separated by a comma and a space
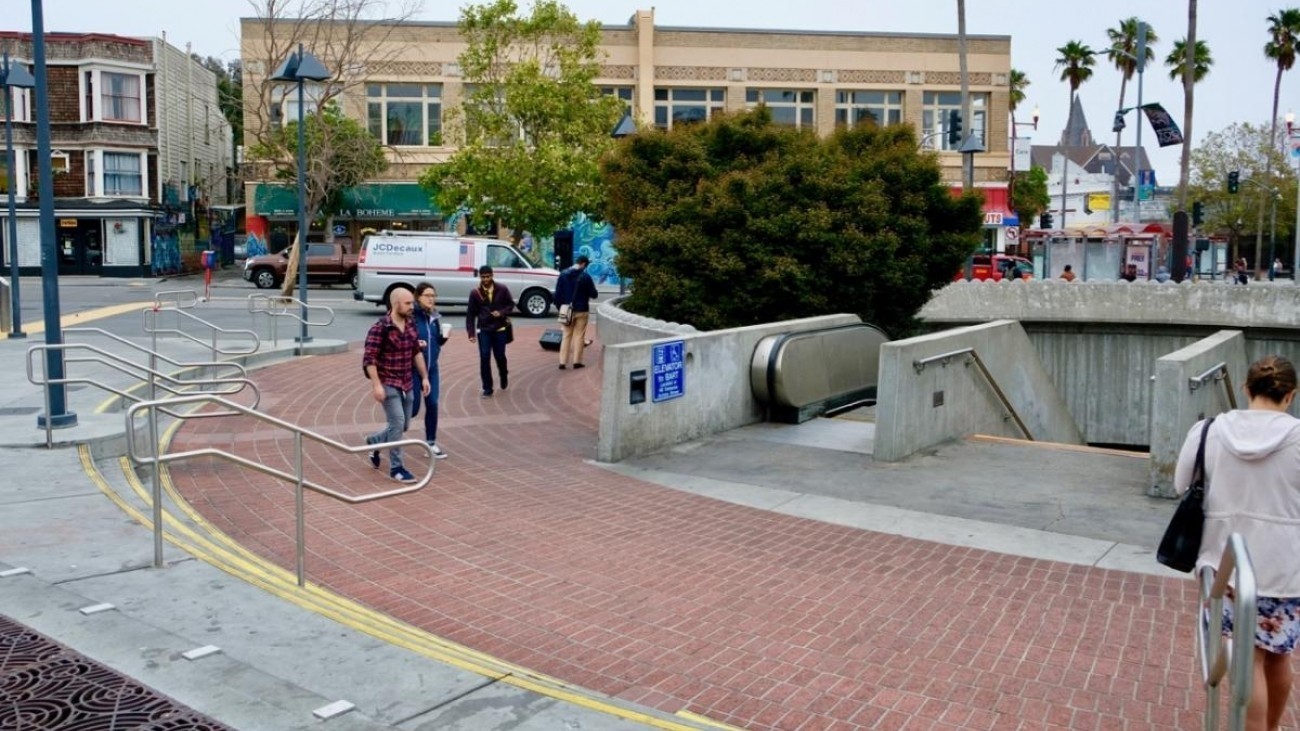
1277, 623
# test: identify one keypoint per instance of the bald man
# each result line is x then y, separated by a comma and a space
392, 346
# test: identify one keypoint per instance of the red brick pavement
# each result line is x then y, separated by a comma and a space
766, 621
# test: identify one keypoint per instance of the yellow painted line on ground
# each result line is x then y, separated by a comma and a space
81, 318
221, 551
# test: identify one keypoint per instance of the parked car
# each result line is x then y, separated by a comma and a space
997, 267
327, 263
392, 259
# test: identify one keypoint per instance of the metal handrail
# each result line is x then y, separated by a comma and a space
185, 299
240, 370
274, 306
945, 358
296, 477
151, 327
1218, 374
123, 365
1217, 655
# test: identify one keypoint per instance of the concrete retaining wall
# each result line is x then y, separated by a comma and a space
1176, 405
1100, 341
618, 326
908, 419
717, 391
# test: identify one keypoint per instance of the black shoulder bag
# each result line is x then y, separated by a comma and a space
1182, 540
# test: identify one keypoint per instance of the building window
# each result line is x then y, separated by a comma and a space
123, 174
683, 106
405, 114
624, 94
938, 105
860, 107
90, 173
789, 107
120, 97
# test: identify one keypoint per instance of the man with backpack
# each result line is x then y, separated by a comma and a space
392, 345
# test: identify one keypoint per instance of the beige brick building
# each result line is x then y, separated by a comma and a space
409, 77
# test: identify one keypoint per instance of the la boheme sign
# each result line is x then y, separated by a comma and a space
668, 371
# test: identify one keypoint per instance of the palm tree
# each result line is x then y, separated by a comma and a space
1177, 59
1076, 62
1123, 53
1017, 82
1283, 38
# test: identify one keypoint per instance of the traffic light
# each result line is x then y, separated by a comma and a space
1198, 213
1045, 220
954, 128
1234, 181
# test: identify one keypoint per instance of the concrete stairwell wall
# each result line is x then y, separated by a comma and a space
910, 416
1178, 401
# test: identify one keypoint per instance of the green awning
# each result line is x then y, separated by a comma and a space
369, 201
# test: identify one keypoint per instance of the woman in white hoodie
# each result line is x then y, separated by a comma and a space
1252, 472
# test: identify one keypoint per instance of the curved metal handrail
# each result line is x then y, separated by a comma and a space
1218, 657
185, 299
1218, 374
123, 365
276, 306
239, 369
151, 327
296, 477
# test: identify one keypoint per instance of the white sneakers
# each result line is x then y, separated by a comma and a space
437, 451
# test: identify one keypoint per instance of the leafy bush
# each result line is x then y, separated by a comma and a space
739, 221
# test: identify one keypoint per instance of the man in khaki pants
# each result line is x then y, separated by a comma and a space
573, 295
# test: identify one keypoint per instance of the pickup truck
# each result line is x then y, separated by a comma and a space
326, 264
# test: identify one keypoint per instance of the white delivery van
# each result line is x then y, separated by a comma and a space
450, 263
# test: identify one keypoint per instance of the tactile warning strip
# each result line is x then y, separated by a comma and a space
46, 686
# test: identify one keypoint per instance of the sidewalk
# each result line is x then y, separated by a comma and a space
768, 578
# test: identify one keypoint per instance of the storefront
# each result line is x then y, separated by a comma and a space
106, 240
273, 220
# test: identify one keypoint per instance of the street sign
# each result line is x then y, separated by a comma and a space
1013, 234
668, 371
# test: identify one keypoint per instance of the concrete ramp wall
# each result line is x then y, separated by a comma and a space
1186, 388
941, 402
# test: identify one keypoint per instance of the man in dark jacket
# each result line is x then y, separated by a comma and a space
575, 289
488, 321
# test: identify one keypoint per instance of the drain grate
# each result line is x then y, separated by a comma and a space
44, 685
18, 410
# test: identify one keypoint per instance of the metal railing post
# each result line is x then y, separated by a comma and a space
1240, 665
157, 488
49, 423
301, 526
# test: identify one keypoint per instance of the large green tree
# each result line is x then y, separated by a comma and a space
1243, 147
1075, 61
1029, 197
739, 221
533, 125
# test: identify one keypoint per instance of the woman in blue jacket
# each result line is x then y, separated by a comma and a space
428, 326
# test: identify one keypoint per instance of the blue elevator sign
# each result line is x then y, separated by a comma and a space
668, 371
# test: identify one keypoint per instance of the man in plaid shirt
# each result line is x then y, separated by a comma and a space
392, 345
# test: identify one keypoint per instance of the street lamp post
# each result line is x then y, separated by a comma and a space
301, 67
1011, 187
12, 76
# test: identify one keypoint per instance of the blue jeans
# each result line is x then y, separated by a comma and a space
494, 344
430, 407
397, 404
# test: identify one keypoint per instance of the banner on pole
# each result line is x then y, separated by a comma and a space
1167, 132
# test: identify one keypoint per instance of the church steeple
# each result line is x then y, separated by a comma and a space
1076, 132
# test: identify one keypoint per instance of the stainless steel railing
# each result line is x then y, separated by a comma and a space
944, 359
152, 327
1218, 374
1219, 659
301, 483
277, 306
213, 365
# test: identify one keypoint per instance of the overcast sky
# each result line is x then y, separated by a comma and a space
1238, 88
